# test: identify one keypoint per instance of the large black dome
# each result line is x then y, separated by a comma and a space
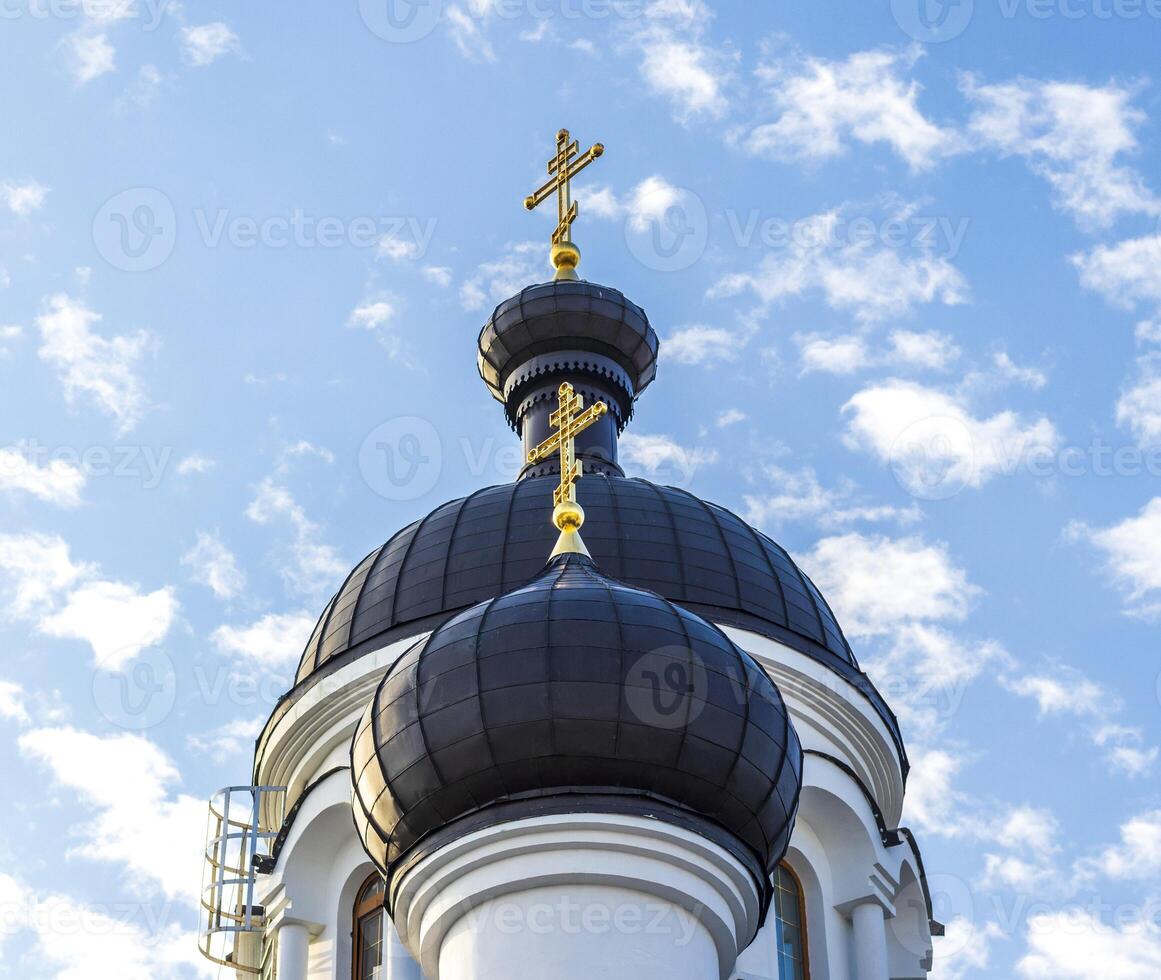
575, 693
657, 538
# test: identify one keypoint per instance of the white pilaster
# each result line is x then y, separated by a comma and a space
870, 928
293, 951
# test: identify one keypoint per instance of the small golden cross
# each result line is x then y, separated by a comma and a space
561, 169
569, 422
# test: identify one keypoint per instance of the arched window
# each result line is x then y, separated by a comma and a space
367, 935
790, 925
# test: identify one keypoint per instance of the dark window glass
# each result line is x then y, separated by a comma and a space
790, 926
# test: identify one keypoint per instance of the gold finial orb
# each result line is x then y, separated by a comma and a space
568, 516
565, 258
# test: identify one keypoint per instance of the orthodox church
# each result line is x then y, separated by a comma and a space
576, 727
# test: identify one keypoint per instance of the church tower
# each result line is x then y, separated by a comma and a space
579, 726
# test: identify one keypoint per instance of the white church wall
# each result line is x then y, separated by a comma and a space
837, 849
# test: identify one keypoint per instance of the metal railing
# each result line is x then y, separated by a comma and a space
232, 925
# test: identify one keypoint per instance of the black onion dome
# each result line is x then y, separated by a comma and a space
658, 538
575, 693
579, 328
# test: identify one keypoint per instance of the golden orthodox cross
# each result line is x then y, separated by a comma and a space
569, 421
565, 165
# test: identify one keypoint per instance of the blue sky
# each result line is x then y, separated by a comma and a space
908, 281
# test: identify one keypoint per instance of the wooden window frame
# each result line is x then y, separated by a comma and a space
364, 906
803, 926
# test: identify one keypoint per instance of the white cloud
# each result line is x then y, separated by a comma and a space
933, 442
12, 702
87, 363
927, 668
1074, 945
1065, 691
22, 197
300, 450
1139, 406
90, 56
852, 571
1009, 370
1132, 551
963, 948
660, 457
215, 566
314, 565
232, 738
850, 353
132, 817
37, 568
145, 89
520, 265
439, 275
1133, 761
55, 482
371, 316
206, 43
824, 105
731, 416
9, 332
798, 496
1073, 135
932, 802
1137, 856
646, 204
66, 599
931, 350
112, 947
833, 355
1126, 274
1148, 332
275, 640
676, 62
396, 249
115, 619
867, 279
468, 30
76, 941
703, 345
195, 463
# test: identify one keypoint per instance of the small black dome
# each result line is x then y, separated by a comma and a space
580, 693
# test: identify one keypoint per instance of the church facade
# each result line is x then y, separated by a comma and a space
517, 749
